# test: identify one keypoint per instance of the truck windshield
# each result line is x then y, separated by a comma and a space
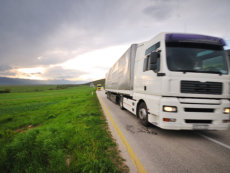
196, 58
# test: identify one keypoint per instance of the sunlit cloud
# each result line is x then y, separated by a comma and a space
95, 63
31, 70
30, 73
85, 67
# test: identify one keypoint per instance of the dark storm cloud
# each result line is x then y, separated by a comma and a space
25, 26
5, 68
7, 73
31, 28
161, 10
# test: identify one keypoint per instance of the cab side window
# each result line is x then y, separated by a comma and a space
147, 63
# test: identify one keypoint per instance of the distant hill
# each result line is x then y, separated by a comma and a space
17, 81
100, 81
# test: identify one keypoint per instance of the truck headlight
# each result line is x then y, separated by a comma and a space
227, 110
169, 108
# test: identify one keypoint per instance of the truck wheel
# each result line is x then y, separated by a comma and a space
108, 96
143, 114
121, 103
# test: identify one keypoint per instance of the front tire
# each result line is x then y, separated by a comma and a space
143, 114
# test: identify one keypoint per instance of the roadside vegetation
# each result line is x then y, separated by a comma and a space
101, 81
55, 130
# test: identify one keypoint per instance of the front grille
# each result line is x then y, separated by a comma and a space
197, 87
198, 110
199, 121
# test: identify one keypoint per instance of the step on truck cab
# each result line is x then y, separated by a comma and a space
174, 81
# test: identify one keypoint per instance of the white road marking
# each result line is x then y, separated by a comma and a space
215, 141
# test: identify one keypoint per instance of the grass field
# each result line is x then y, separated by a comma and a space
55, 130
33, 88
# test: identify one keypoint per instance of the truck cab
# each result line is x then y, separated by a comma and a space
184, 80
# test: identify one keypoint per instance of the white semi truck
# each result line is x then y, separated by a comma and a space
174, 81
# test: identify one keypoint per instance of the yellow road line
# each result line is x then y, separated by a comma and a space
132, 154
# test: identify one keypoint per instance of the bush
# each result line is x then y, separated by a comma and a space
7, 90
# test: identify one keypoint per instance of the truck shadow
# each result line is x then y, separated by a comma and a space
195, 134
139, 128
154, 130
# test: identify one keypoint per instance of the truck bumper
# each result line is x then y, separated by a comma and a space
194, 114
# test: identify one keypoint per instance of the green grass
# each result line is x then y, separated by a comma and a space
55, 131
33, 88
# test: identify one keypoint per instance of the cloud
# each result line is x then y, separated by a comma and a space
161, 10
59, 73
32, 29
49, 33
43, 73
56, 56
25, 28
7, 71
5, 68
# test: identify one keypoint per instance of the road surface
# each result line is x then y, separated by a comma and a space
165, 151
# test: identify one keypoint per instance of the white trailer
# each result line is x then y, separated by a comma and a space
174, 81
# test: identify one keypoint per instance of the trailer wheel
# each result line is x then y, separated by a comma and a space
108, 95
143, 114
121, 103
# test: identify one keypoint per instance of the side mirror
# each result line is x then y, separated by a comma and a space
153, 61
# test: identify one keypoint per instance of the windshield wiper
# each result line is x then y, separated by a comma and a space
214, 72
197, 71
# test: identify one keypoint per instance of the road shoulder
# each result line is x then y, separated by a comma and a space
123, 151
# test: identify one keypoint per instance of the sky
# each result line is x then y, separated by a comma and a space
79, 40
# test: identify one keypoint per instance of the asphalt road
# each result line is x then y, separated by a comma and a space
170, 151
